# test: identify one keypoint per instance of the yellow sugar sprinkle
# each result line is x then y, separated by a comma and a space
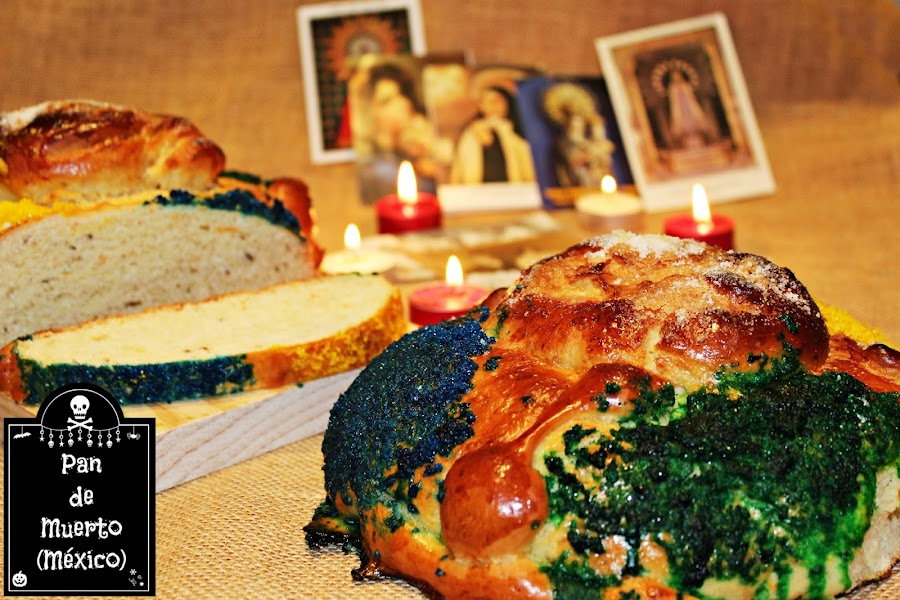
15, 212
839, 321
19, 211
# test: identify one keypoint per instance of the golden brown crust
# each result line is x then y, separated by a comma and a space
10, 374
294, 194
88, 150
408, 555
876, 365
699, 308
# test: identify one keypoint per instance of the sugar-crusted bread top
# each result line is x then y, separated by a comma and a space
83, 150
696, 309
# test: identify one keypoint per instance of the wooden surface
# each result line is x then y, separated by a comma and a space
198, 437
822, 75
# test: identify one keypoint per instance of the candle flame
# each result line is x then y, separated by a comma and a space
406, 183
454, 273
352, 239
701, 205
608, 184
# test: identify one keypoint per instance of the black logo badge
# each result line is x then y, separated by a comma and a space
80, 498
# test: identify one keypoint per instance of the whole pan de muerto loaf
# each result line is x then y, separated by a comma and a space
638, 416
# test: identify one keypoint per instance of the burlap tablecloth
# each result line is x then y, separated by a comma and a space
237, 534
822, 75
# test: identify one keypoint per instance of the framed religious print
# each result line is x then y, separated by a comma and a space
684, 112
333, 37
574, 138
390, 124
482, 160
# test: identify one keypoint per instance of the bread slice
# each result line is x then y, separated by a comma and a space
80, 263
283, 334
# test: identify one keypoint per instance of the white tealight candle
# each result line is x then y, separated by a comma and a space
354, 259
609, 208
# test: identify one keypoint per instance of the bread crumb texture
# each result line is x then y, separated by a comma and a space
287, 333
67, 264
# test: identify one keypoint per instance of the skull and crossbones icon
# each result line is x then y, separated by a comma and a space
79, 405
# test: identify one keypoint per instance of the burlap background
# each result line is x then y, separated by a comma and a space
822, 75
233, 67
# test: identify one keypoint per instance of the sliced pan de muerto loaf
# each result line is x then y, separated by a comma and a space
68, 266
112, 210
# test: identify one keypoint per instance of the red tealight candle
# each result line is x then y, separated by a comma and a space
451, 298
409, 209
701, 225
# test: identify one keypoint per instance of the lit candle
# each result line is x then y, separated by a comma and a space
610, 209
701, 224
352, 259
445, 300
409, 209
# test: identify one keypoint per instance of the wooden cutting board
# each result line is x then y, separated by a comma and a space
198, 437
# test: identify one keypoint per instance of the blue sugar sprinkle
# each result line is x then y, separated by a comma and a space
239, 200
402, 412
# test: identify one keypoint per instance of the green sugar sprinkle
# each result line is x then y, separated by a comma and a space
250, 178
492, 363
734, 483
140, 384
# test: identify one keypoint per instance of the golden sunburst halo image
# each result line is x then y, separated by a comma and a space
357, 36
